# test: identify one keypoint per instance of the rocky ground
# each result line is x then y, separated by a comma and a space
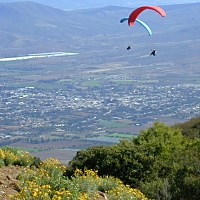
8, 181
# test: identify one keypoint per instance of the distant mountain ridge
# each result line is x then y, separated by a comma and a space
31, 25
85, 4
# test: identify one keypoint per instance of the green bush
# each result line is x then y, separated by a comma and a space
14, 156
157, 162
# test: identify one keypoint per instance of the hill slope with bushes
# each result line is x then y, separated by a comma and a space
161, 163
190, 128
31, 179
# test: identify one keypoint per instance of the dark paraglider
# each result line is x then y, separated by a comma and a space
153, 52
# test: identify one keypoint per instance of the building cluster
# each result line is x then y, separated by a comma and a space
79, 111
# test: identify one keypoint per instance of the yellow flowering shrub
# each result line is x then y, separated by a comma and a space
125, 193
14, 156
2, 154
47, 182
10, 158
62, 194
31, 190
89, 183
52, 165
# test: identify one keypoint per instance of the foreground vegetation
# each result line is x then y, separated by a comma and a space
163, 162
46, 181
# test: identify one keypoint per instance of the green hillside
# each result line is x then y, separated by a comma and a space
190, 128
161, 163
39, 180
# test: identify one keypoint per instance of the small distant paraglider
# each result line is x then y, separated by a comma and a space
133, 18
153, 52
128, 48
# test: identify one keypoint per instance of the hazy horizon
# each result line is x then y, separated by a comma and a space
85, 4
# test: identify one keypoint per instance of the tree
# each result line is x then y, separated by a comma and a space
161, 162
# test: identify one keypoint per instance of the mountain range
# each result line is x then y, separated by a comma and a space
29, 26
85, 4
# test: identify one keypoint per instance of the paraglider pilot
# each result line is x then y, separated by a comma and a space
129, 47
153, 52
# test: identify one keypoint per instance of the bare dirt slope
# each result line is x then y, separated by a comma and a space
8, 181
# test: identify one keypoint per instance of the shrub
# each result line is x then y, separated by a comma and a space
14, 156
47, 182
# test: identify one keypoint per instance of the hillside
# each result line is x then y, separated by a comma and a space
23, 178
160, 163
31, 25
85, 4
190, 128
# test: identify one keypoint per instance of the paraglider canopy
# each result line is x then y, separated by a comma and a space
140, 22
133, 16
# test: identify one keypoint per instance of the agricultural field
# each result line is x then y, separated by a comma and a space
68, 89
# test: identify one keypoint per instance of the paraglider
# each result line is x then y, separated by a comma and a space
128, 48
153, 52
123, 19
140, 22
133, 16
